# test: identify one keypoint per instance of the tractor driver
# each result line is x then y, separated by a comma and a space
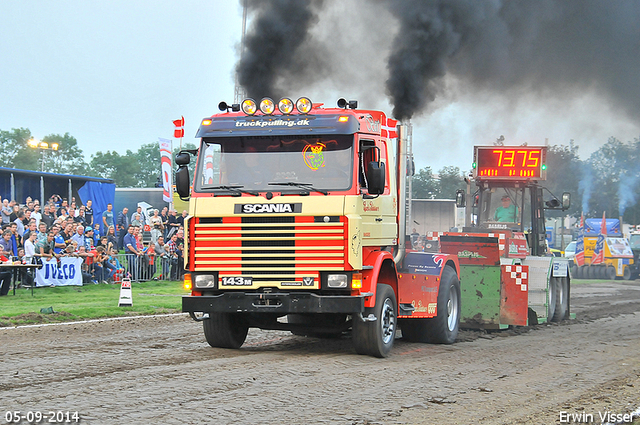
507, 212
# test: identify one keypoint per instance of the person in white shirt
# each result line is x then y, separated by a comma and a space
30, 246
36, 214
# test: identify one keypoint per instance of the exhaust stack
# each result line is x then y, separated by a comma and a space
403, 156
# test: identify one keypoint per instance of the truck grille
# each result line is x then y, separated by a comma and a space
270, 249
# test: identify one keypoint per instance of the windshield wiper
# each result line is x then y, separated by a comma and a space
235, 189
301, 185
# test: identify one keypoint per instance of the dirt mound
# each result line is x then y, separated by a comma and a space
36, 318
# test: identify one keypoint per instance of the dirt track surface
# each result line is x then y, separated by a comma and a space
160, 370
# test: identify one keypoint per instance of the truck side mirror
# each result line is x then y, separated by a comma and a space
460, 198
182, 182
376, 178
566, 200
183, 158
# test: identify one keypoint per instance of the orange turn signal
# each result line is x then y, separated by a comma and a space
356, 281
188, 284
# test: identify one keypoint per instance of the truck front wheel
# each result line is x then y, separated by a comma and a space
376, 337
225, 330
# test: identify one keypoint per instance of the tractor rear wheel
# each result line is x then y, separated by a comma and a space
551, 299
562, 299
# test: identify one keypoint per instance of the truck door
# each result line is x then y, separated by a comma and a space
378, 212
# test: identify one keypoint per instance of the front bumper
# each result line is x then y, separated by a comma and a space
277, 302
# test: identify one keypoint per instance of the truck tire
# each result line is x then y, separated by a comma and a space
611, 273
574, 272
604, 273
442, 329
551, 299
562, 299
313, 321
225, 330
578, 272
626, 273
375, 338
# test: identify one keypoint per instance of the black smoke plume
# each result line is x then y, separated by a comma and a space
549, 47
273, 45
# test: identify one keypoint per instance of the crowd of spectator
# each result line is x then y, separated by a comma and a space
62, 228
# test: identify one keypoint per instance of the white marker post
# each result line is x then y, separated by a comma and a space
126, 300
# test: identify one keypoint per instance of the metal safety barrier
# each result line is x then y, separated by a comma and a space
138, 268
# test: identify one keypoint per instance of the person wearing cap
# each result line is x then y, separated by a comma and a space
88, 238
507, 212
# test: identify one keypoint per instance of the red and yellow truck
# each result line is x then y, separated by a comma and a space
297, 222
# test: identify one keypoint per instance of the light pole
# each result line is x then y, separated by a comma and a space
43, 146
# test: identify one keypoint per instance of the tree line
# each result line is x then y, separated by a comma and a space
131, 169
606, 181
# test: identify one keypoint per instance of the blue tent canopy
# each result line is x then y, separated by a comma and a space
19, 184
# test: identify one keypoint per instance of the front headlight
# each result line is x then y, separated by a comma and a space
205, 281
337, 280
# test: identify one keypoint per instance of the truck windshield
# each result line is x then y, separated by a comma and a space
500, 208
252, 162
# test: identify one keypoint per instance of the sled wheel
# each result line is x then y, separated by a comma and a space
225, 330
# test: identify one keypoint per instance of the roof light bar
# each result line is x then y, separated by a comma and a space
304, 105
249, 106
285, 105
267, 106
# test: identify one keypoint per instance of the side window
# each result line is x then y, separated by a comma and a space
210, 167
367, 153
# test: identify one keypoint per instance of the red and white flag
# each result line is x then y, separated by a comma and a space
389, 128
166, 169
178, 133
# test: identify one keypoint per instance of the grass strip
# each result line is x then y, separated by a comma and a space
91, 301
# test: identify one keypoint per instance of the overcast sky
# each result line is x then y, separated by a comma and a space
115, 74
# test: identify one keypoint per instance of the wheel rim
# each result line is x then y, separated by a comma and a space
388, 321
452, 309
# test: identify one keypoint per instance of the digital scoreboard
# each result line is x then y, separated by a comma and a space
510, 163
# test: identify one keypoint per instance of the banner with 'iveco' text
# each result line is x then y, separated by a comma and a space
63, 273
